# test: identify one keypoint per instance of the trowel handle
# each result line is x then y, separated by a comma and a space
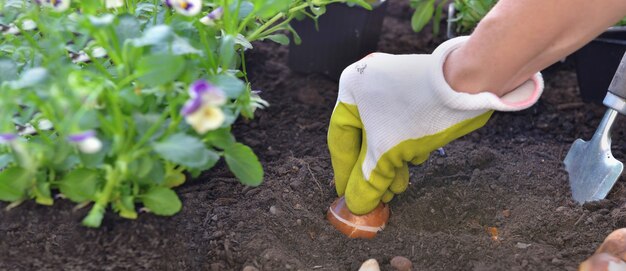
616, 97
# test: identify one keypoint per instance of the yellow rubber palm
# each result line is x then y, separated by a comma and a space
396, 109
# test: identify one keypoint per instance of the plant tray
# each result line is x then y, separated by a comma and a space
597, 62
345, 34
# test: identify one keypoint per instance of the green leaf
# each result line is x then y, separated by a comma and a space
8, 70
69, 162
160, 69
14, 182
244, 164
269, 8
145, 166
231, 85
102, 21
361, 3
154, 35
279, 38
129, 97
181, 46
5, 160
245, 9
221, 138
437, 17
81, 185
41, 191
143, 123
227, 50
156, 175
30, 78
422, 15
128, 28
187, 151
162, 201
174, 179
241, 40
125, 206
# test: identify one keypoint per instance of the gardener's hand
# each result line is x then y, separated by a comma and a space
610, 255
395, 109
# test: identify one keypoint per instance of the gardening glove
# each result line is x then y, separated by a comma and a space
395, 109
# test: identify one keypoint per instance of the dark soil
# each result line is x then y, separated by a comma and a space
507, 175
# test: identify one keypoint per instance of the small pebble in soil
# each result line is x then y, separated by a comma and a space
506, 213
370, 265
401, 263
295, 185
522, 245
250, 268
561, 208
273, 210
299, 222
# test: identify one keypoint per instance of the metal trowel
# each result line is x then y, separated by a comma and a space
591, 166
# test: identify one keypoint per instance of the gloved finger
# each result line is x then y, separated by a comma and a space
399, 183
365, 192
388, 196
344, 142
401, 180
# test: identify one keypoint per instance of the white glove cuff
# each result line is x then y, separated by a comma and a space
520, 98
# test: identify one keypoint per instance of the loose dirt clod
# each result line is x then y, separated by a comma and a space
401, 263
370, 265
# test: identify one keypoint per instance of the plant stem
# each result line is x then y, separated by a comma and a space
276, 27
259, 30
113, 177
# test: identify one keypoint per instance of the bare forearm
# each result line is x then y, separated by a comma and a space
520, 37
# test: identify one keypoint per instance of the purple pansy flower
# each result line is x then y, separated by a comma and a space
214, 15
202, 92
7, 138
186, 7
57, 5
202, 110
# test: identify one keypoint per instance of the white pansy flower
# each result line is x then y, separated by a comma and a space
28, 24
57, 5
186, 7
114, 3
87, 142
206, 118
11, 29
98, 52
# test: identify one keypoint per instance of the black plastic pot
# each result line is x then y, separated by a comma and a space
346, 34
597, 62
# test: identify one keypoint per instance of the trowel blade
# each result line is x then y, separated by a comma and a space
592, 170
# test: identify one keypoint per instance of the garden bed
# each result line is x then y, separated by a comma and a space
507, 175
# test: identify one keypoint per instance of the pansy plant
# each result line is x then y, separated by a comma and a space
112, 104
